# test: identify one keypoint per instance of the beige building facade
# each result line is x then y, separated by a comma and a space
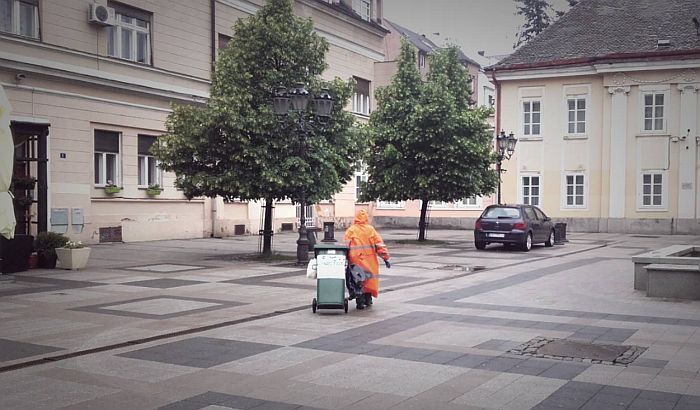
607, 132
91, 85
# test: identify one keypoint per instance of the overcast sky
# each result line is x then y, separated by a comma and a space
474, 25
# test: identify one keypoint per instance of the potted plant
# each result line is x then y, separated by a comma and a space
154, 190
23, 182
45, 246
111, 188
73, 255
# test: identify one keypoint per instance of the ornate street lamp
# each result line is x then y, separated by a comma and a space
297, 101
505, 147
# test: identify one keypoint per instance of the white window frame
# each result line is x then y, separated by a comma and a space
158, 179
565, 190
439, 205
664, 190
664, 90
391, 204
421, 59
360, 104
475, 202
102, 177
521, 188
16, 22
360, 176
531, 101
363, 8
120, 25
309, 215
576, 111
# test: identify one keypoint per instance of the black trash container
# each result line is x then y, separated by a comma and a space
329, 232
560, 233
14, 253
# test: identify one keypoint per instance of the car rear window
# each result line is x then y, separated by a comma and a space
498, 212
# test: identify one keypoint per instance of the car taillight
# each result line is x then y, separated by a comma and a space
477, 225
520, 225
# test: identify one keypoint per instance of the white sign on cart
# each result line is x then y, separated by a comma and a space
331, 266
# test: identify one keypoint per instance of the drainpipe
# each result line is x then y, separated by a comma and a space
498, 100
213, 35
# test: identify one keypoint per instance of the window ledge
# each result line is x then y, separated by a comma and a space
652, 210
575, 137
530, 138
361, 115
654, 134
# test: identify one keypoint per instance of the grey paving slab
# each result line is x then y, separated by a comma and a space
200, 352
163, 283
158, 307
13, 350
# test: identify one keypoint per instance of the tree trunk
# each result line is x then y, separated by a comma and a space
422, 224
267, 228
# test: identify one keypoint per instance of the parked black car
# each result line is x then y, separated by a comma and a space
520, 225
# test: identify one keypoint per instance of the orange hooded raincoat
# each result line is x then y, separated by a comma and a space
365, 245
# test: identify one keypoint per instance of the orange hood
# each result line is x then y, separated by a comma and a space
361, 217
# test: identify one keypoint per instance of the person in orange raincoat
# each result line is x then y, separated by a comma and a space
365, 245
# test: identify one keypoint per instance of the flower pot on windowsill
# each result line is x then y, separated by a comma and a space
153, 192
112, 189
73, 258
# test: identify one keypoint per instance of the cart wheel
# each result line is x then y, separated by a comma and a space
345, 305
314, 305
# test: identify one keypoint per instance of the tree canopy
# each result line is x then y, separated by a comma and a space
235, 147
537, 18
427, 142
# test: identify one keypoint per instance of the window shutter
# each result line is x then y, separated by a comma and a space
106, 141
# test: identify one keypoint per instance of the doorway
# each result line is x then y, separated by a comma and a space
30, 177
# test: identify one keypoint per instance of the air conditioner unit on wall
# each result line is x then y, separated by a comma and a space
101, 15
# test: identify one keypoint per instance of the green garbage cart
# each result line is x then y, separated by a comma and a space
331, 263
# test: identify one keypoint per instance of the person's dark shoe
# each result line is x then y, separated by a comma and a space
360, 305
368, 299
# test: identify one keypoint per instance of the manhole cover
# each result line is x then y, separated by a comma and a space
455, 267
563, 349
569, 348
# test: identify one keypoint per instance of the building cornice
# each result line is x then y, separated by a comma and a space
88, 75
594, 69
111, 60
251, 8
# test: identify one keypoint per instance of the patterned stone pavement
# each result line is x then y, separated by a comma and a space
192, 325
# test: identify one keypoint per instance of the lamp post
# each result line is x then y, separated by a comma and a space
296, 101
505, 147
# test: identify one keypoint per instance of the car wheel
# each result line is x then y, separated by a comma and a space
480, 245
550, 240
527, 245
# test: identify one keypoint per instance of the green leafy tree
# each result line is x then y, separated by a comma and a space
536, 13
572, 3
235, 147
428, 143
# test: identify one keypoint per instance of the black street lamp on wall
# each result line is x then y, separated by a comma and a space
505, 147
297, 101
